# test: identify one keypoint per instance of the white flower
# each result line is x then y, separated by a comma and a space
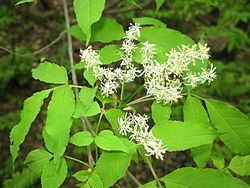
164, 81
155, 147
91, 57
125, 125
136, 125
133, 32
148, 51
108, 78
180, 58
207, 75
192, 80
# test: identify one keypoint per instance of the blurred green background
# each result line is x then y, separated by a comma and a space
26, 31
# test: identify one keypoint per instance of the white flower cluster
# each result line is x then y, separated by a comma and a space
112, 78
207, 75
165, 81
135, 125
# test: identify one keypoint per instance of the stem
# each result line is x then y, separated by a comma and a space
97, 129
154, 173
100, 119
142, 99
70, 48
76, 86
77, 160
122, 91
73, 73
134, 179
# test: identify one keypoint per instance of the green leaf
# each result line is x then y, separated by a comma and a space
81, 175
160, 112
112, 166
83, 138
95, 181
59, 121
104, 27
149, 21
218, 162
240, 165
87, 13
100, 31
89, 76
194, 112
54, 174
31, 108
109, 142
159, 3
87, 96
177, 135
93, 110
79, 110
164, 37
196, 178
151, 184
23, 1
232, 125
37, 160
50, 73
90, 107
76, 32
112, 116
103, 99
201, 154
110, 53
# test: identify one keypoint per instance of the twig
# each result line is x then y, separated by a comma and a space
37, 51
136, 181
154, 173
70, 48
73, 73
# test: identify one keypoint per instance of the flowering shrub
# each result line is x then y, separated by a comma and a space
170, 66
